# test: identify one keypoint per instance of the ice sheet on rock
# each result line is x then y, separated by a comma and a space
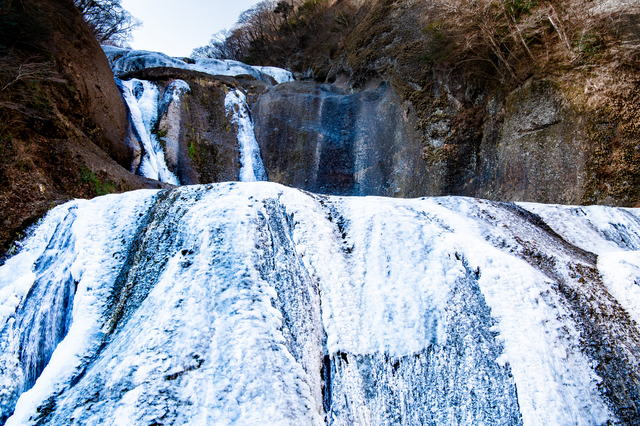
211, 349
435, 312
124, 60
17, 275
598, 229
621, 274
142, 98
389, 295
611, 233
532, 319
176, 89
280, 75
251, 169
85, 251
226, 67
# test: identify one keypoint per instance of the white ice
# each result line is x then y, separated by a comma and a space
251, 169
174, 92
279, 75
384, 276
142, 98
16, 275
611, 233
99, 229
124, 60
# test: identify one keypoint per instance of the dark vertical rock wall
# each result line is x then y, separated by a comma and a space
93, 101
64, 131
322, 139
544, 141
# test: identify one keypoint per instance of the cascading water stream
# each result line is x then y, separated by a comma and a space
252, 169
142, 97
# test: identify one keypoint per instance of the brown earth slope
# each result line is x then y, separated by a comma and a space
63, 124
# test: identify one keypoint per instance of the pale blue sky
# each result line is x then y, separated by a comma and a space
176, 27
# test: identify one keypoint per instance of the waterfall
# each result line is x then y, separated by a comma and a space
142, 98
251, 169
254, 303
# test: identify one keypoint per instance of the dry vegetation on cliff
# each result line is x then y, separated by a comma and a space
62, 120
456, 63
515, 39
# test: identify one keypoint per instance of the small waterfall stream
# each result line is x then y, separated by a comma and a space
143, 100
252, 169
142, 97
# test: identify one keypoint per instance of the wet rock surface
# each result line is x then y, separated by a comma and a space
323, 139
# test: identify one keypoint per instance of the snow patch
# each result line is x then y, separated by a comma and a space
123, 61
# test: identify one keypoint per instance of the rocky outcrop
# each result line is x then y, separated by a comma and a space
557, 124
532, 146
199, 139
322, 139
92, 101
545, 141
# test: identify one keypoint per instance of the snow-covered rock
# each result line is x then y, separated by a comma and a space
253, 303
125, 60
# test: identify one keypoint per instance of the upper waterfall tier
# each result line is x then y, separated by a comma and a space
251, 169
125, 60
253, 303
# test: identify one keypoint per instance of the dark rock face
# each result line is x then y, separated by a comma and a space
541, 142
207, 145
322, 139
95, 101
532, 146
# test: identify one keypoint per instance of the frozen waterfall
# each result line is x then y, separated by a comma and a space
146, 104
253, 303
123, 61
142, 98
251, 169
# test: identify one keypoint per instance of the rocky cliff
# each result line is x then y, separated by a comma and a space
561, 128
200, 145
64, 130
507, 100
323, 139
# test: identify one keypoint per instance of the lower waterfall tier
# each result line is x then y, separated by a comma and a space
253, 303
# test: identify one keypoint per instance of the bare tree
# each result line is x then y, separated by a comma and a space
110, 23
